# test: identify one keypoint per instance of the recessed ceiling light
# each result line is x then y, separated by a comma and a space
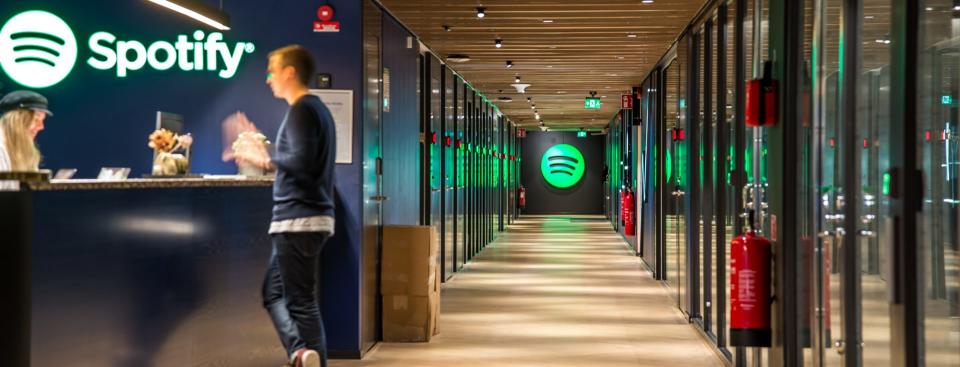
509, 64
868, 17
619, 57
481, 12
929, 8
517, 79
647, 1
631, 35
447, 28
548, 20
549, 66
458, 58
498, 43
603, 96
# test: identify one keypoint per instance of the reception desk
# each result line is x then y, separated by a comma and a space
136, 273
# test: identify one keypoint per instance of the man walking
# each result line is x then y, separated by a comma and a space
303, 207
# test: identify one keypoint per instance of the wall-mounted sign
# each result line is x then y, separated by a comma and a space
38, 49
626, 101
591, 103
386, 89
325, 22
340, 104
562, 166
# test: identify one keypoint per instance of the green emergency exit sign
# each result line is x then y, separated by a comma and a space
591, 103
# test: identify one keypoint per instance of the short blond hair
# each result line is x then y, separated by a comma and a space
23, 152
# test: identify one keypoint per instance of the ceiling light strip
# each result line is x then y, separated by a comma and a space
192, 14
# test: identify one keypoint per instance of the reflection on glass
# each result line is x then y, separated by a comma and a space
711, 185
875, 225
731, 207
671, 80
939, 146
829, 143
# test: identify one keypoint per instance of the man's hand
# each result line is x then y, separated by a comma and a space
232, 127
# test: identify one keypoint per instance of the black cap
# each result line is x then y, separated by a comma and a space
24, 99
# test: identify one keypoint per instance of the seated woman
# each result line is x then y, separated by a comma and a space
21, 118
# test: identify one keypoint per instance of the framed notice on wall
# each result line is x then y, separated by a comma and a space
340, 103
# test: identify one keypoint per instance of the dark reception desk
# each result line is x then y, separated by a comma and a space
136, 273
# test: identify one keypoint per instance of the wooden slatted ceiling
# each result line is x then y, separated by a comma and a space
585, 48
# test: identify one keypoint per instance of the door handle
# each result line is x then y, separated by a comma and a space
379, 198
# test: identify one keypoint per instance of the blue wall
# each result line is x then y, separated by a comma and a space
104, 121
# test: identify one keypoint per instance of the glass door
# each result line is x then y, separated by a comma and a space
874, 223
851, 155
938, 146
672, 207
828, 179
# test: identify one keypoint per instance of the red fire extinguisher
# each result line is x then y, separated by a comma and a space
750, 257
628, 221
522, 197
761, 104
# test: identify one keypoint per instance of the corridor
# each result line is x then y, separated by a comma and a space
554, 291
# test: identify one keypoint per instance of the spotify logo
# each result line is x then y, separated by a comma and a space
562, 166
37, 49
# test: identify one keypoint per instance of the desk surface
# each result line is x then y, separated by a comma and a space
153, 183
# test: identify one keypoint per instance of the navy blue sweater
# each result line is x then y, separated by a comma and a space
305, 158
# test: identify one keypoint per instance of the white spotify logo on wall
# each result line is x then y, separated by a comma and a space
37, 49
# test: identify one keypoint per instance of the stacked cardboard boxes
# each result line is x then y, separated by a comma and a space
410, 283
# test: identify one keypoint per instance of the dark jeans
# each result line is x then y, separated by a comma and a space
290, 291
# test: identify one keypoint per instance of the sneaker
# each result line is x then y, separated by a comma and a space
305, 358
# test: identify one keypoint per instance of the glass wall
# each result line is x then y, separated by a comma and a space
938, 147
846, 220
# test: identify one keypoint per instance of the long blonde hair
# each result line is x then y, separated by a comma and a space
23, 152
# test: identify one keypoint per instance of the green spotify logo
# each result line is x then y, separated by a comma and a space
37, 49
562, 166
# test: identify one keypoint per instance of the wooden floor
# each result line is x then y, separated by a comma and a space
554, 291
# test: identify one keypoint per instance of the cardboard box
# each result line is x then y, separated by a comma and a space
409, 318
409, 262
410, 283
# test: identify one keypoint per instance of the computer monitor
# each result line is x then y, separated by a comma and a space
170, 121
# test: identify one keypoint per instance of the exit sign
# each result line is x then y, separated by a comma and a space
591, 103
581, 134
